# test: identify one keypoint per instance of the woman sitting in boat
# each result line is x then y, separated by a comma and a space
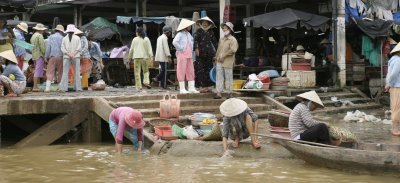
127, 119
302, 126
12, 78
239, 122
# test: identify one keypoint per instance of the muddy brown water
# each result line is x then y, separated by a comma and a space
78, 163
99, 163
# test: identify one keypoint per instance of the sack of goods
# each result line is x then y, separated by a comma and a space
170, 106
253, 82
99, 85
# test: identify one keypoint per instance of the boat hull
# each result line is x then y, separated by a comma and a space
354, 160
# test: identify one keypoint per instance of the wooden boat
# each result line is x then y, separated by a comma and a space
359, 157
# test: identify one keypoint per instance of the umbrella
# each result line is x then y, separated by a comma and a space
288, 18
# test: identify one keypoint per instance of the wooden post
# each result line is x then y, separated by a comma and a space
92, 129
76, 16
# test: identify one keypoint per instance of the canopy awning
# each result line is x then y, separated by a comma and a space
288, 18
135, 19
18, 3
100, 29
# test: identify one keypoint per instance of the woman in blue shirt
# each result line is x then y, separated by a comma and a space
12, 78
393, 86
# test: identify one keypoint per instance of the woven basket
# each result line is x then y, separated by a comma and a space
278, 119
214, 135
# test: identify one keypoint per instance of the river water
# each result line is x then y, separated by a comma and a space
99, 163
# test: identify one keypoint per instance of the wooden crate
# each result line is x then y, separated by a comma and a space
301, 78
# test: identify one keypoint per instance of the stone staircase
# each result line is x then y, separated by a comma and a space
360, 102
149, 105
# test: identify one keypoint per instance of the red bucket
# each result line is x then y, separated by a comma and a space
301, 66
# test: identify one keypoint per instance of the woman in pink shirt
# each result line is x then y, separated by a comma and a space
127, 119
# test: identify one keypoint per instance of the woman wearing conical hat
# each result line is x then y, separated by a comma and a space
393, 86
239, 122
302, 126
205, 45
183, 43
12, 78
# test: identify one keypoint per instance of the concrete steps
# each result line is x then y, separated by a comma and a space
149, 105
324, 96
144, 104
333, 110
330, 103
214, 109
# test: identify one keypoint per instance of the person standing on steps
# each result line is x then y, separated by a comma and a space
393, 86
20, 52
139, 53
38, 53
225, 60
205, 45
163, 55
183, 43
55, 56
71, 46
86, 63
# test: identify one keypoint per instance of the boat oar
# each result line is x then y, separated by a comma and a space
299, 141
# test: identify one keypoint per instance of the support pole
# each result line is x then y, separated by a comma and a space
339, 45
180, 5
222, 4
250, 30
76, 15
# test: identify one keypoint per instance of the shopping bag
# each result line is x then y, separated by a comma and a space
169, 106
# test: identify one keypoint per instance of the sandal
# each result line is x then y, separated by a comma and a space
217, 97
256, 145
395, 133
147, 86
11, 95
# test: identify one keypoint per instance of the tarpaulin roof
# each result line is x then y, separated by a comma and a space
374, 28
135, 19
288, 18
16, 22
100, 29
18, 3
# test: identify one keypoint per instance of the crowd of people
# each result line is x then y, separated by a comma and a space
51, 58
67, 57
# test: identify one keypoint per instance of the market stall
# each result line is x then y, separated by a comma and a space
292, 19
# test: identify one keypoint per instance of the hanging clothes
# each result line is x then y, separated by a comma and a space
371, 51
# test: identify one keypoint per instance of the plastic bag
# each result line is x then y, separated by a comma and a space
178, 132
190, 133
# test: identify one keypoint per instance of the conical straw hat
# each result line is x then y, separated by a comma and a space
9, 55
184, 23
396, 49
391, 41
312, 96
232, 107
206, 19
